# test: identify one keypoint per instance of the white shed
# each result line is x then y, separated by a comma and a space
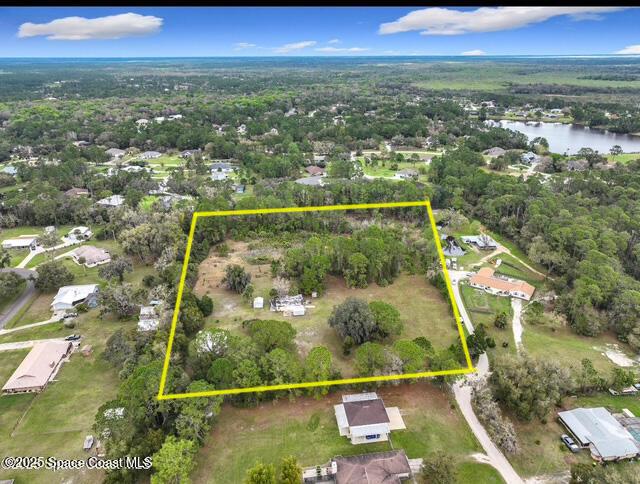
258, 303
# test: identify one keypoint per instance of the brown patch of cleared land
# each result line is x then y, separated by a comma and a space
423, 309
306, 428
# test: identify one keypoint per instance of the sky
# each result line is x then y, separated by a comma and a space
316, 31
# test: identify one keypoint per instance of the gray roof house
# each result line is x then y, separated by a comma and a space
112, 201
363, 418
495, 151
311, 181
115, 153
150, 155
482, 241
598, 430
90, 256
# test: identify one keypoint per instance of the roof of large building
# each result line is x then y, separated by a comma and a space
486, 277
379, 468
37, 367
596, 426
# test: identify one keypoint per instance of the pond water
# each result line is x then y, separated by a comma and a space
570, 138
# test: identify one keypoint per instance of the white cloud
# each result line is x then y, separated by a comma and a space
81, 28
341, 49
243, 45
474, 52
286, 48
334, 41
630, 49
445, 21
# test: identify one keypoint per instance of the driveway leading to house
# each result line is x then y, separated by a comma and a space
20, 345
25, 297
462, 392
516, 305
456, 276
495, 457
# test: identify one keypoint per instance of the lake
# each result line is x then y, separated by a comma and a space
571, 137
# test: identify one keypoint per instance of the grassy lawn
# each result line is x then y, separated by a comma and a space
512, 267
36, 310
469, 472
541, 451
56, 421
31, 230
423, 310
624, 158
9, 361
516, 251
17, 255
385, 170
611, 403
483, 308
567, 348
306, 429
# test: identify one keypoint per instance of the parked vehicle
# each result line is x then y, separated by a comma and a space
73, 337
70, 316
570, 443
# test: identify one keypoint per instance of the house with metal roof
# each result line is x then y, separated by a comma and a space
600, 432
38, 368
364, 418
482, 242
70, 296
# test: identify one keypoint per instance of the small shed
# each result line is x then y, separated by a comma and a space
88, 443
258, 303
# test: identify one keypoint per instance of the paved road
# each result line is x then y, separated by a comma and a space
516, 305
25, 297
462, 393
456, 276
495, 457
57, 317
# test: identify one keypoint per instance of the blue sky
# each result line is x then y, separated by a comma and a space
166, 32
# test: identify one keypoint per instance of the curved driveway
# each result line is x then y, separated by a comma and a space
9, 313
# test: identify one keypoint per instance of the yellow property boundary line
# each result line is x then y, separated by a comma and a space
289, 386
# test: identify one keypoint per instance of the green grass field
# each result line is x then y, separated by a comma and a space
483, 308
512, 267
386, 172
306, 429
624, 158
17, 256
490, 76
422, 308
567, 348
56, 421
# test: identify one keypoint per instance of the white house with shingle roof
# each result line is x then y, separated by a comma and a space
91, 256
